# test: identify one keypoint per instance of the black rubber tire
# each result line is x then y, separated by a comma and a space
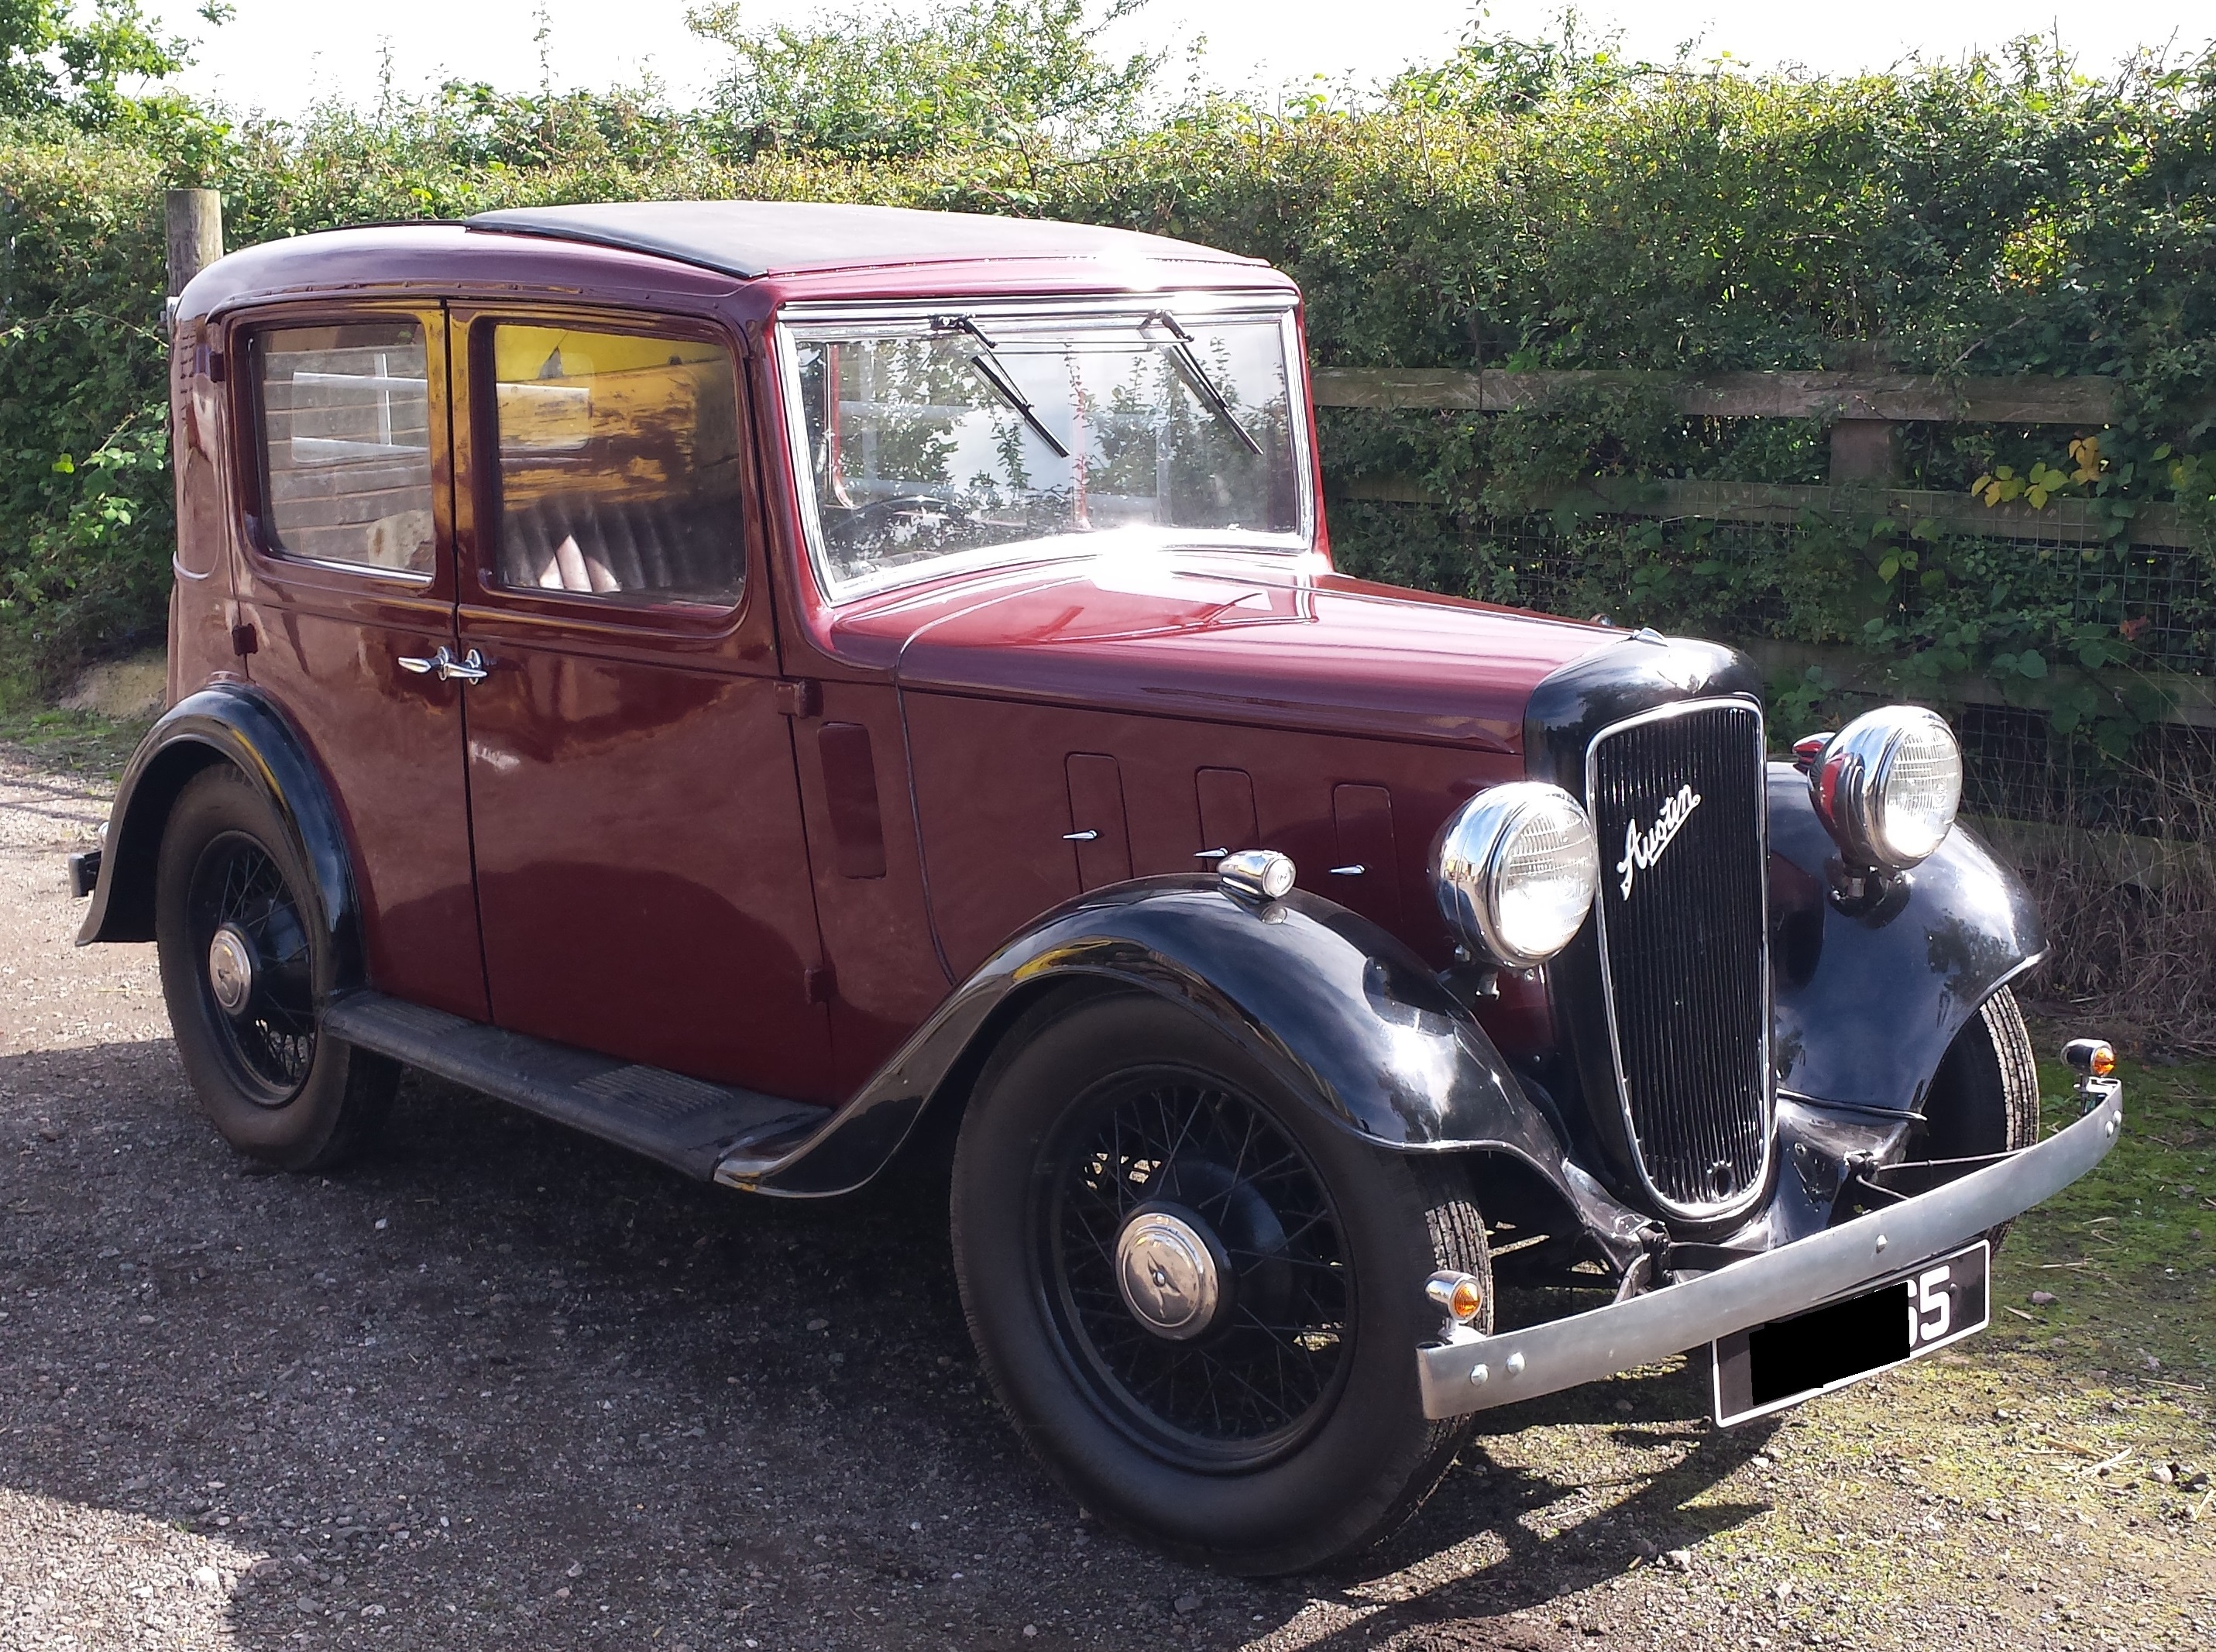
1354, 1476
335, 1108
1985, 1097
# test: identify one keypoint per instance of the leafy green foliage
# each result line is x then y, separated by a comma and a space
85, 492
55, 62
885, 85
1525, 205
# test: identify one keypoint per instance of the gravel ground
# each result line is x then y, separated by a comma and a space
500, 1385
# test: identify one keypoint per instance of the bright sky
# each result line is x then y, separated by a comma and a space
280, 55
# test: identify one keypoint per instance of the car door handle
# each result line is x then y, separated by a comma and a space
470, 668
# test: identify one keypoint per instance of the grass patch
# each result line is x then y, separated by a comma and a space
2125, 1251
2039, 1456
2039, 1485
71, 742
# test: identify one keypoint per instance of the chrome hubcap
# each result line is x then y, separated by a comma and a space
1168, 1271
230, 968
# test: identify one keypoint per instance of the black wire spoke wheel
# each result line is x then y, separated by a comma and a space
244, 921
1198, 1294
248, 961
1985, 1097
1263, 1297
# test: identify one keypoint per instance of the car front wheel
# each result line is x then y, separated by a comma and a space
1198, 1298
245, 969
1985, 1097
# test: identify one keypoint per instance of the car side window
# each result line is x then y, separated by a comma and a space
343, 417
618, 464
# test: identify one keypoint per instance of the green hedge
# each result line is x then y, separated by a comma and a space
1520, 206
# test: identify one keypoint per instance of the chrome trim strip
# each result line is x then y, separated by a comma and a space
1584, 1347
367, 570
1765, 1078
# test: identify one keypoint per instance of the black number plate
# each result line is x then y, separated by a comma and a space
1771, 1366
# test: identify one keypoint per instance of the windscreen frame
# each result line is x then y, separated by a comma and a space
904, 318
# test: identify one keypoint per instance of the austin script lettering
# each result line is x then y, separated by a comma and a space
1642, 849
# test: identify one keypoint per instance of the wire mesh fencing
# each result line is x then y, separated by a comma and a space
1757, 582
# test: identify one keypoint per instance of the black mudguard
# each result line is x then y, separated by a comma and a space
236, 723
1346, 1014
1870, 993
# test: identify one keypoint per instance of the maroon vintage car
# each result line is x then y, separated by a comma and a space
802, 690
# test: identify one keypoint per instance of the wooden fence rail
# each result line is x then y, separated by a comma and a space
2062, 519
1864, 410
1889, 396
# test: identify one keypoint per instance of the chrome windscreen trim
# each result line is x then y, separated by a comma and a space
901, 316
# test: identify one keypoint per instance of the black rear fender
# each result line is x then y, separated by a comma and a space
236, 724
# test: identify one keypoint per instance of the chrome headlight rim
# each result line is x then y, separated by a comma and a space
1473, 852
1851, 781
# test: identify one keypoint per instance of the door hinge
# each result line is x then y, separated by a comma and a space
816, 984
243, 641
799, 696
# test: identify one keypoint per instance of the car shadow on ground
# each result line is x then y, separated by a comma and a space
498, 1381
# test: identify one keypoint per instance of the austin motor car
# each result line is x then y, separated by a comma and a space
818, 693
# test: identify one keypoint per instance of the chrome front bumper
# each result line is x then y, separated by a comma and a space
1473, 1374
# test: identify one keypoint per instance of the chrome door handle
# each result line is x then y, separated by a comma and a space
470, 668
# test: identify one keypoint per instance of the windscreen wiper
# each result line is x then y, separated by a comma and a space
988, 367
1187, 360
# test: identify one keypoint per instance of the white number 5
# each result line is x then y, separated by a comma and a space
1932, 1310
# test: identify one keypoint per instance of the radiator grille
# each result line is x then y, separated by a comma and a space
1685, 950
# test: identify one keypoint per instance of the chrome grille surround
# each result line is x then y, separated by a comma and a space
1685, 973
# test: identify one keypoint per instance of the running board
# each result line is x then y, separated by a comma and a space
686, 1123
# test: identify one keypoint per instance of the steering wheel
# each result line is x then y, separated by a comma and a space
922, 506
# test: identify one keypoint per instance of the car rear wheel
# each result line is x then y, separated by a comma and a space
245, 967
1199, 1299
1985, 1097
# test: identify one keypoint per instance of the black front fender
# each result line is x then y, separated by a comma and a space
1869, 996
234, 723
1346, 1015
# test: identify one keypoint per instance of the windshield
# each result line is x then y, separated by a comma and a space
950, 438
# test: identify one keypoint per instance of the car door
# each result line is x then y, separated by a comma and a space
345, 589
642, 878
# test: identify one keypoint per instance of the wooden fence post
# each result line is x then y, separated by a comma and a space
195, 227
1865, 450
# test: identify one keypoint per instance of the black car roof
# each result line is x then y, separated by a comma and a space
754, 237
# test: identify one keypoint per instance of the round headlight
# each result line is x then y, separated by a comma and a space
1515, 872
1887, 785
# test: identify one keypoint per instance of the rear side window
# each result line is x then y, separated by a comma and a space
344, 435
618, 472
